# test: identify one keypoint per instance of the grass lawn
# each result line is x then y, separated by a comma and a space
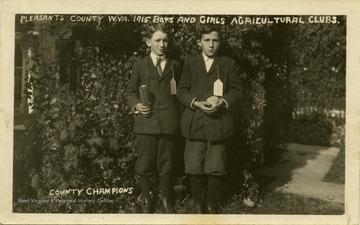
276, 203
281, 203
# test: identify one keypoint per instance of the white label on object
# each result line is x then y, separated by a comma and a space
173, 86
218, 88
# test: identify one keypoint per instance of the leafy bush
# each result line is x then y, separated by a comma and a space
83, 136
317, 129
318, 82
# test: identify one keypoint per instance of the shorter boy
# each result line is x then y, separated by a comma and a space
209, 87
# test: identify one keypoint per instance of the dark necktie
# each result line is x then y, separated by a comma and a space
158, 67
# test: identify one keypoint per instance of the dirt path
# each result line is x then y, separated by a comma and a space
302, 170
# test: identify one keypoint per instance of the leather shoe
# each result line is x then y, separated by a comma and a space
167, 207
199, 208
146, 206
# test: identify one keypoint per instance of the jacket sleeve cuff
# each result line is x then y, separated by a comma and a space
134, 109
226, 104
192, 103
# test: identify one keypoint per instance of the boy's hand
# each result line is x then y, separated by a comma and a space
205, 107
145, 110
214, 103
221, 101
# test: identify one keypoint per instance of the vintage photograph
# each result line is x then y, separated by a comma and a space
184, 114
98, 129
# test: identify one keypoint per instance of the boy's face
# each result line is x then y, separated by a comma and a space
158, 43
210, 43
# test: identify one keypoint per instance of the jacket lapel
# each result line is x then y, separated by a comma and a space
217, 62
168, 69
201, 63
153, 71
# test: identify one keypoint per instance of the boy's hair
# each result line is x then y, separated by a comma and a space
148, 33
208, 28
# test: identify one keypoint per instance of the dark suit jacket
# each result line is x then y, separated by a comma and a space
164, 117
195, 82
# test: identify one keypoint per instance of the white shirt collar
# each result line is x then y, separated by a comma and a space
154, 56
206, 58
208, 62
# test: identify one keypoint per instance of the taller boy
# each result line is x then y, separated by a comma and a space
158, 122
209, 87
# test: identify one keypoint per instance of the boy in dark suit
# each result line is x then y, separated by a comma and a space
156, 123
209, 88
